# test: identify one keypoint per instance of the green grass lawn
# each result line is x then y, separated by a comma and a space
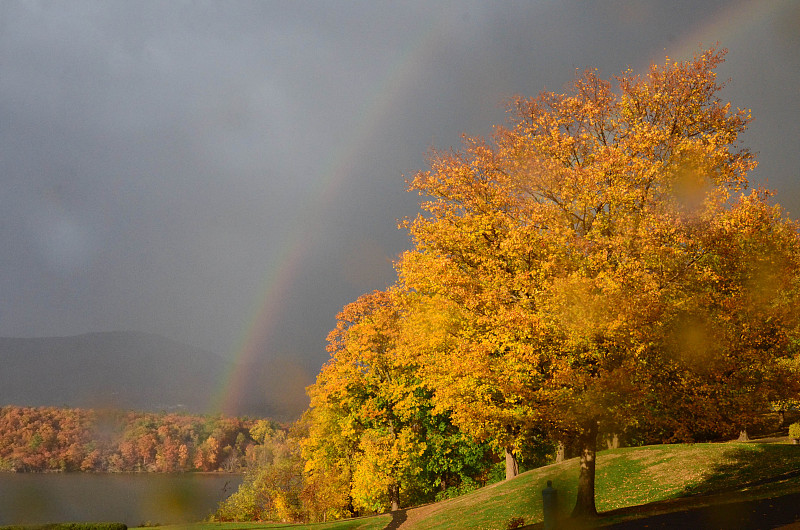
655, 476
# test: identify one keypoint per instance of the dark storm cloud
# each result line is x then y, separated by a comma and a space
157, 158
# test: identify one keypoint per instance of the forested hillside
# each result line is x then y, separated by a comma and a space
62, 439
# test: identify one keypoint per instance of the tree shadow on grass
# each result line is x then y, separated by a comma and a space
751, 514
398, 518
748, 466
721, 500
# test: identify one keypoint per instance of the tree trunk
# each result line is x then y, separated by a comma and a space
584, 503
560, 452
351, 509
743, 436
512, 467
613, 441
394, 496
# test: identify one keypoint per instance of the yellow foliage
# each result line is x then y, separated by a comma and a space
596, 245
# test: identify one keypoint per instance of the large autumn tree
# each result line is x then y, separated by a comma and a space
601, 262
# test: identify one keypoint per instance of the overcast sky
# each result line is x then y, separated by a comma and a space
230, 174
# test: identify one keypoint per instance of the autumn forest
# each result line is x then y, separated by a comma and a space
62, 439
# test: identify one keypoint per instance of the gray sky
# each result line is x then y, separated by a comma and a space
230, 174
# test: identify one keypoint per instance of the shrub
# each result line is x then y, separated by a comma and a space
794, 430
515, 522
467, 485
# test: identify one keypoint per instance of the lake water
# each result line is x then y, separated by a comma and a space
133, 499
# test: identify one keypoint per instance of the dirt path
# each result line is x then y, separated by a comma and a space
416, 515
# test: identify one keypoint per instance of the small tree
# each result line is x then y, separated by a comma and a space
272, 486
794, 432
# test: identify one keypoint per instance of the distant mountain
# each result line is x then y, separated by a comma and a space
128, 370
136, 371
141, 371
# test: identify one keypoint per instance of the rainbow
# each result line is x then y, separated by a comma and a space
727, 28
399, 77
279, 279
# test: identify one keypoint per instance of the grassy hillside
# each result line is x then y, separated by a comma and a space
665, 477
